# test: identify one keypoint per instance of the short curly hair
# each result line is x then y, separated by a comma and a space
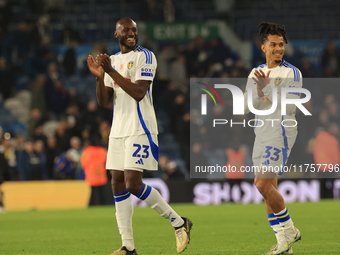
271, 29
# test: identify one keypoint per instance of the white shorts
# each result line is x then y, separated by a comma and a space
137, 152
272, 155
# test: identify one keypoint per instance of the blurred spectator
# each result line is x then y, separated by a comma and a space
5, 17
326, 147
163, 59
70, 59
44, 55
21, 37
39, 134
68, 35
28, 164
57, 99
4, 168
75, 143
330, 60
91, 116
51, 153
38, 95
40, 154
198, 155
174, 103
334, 114
169, 11
191, 54
52, 73
4, 176
65, 165
104, 130
236, 159
63, 137
39, 33
217, 135
258, 55
98, 48
307, 69
10, 155
93, 162
36, 6
218, 51
7, 79
33, 121
148, 10
183, 137
178, 73
172, 171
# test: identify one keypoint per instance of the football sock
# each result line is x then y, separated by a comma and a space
286, 223
152, 197
278, 231
124, 212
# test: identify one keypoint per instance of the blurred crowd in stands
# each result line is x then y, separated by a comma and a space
49, 113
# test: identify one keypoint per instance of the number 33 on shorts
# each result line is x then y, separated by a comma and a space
273, 154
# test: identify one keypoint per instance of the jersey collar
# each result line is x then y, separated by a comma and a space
136, 48
283, 61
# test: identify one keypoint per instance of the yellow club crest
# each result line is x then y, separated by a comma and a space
130, 65
264, 99
278, 80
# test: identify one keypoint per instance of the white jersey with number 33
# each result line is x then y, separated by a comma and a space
129, 116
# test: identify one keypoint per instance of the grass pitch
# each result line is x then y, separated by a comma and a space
224, 229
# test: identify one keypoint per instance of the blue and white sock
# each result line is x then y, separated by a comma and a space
124, 212
278, 231
152, 197
286, 223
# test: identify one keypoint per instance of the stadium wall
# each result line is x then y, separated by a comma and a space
56, 195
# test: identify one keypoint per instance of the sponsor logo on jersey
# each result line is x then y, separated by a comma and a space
130, 65
147, 74
121, 67
147, 70
278, 80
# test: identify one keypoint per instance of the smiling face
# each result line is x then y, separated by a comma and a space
127, 34
274, 48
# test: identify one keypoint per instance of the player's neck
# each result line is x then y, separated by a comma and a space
273, 63
124, 49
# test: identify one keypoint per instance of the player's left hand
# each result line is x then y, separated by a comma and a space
105, 62
261, 81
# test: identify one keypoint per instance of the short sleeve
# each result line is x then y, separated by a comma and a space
107, 78
294, 78
146, 66
294, 81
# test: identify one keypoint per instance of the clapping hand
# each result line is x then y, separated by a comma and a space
261, 81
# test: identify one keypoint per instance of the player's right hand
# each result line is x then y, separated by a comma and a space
95, 69
261, 81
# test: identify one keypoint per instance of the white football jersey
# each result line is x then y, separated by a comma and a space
269, 126
129, 116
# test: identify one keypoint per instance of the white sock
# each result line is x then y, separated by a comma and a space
152, 197
286, 223
124, 212
278, 231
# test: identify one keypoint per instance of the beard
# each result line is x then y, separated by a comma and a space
122, 41
278, 61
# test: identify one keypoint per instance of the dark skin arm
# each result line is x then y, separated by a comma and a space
104, 94
136, 90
